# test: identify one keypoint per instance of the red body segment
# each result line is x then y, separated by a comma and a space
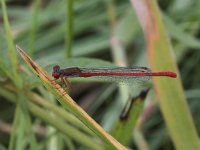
136, 74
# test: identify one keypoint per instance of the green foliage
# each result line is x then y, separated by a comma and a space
39, 27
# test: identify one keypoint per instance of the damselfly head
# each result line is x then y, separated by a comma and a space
56, 72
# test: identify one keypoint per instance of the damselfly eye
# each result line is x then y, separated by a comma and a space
56, 68
56, 76
56, 72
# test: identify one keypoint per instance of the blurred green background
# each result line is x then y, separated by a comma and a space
52, 34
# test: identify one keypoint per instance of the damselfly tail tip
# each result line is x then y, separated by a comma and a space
166, 74
172, 74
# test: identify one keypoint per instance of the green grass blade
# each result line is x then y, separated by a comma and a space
36, 10
14, 128
64, 128
179, 34
69, 27
5, 70
11, 48
124, 128
55, 121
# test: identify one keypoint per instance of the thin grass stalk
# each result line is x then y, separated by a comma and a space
59, 111
53, 120
117, 48
56, 110
33, 32
69, 28
69, 143
66, 129
14, 127
140, 140
11, 48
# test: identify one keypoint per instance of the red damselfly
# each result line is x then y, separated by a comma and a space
117, 74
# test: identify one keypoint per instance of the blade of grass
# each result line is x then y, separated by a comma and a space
139, 140
4, 69
66, 129
11, 49
25, 134
139, 137
14, 127
28, 124
69, 27
69, 103
170, 92
56, 122
179, 34
36, 8
60, 112
124, 128
21, 126
69, 144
